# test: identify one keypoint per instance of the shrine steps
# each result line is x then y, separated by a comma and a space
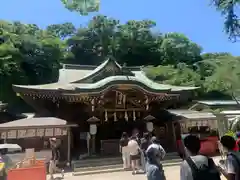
107, 165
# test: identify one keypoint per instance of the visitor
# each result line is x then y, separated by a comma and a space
6, 163
160, 152
134, 150
180, 148
53, 165
153, 170
145, 142
196, 166
232, 170
237, 146
125, 151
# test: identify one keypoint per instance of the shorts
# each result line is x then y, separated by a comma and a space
135, 157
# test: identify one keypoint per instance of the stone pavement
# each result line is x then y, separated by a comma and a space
171, 172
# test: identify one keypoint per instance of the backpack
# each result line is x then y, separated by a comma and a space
236, 158
204, 171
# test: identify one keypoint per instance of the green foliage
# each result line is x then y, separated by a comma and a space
30, 55
229, 9
82, 6
132, 43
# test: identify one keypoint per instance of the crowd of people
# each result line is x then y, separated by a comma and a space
146, 154
142, 155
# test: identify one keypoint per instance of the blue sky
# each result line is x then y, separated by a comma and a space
195, 18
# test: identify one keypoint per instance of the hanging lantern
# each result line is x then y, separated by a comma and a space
198, 124
182, 126
92, 102
126, 116
134, 116
106, 116
149, 126
115, 116
124, 99
93, 129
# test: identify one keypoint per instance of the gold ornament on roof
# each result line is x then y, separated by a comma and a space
134, 116
147, 106
92, 102
106, 116
115, 116
126, 116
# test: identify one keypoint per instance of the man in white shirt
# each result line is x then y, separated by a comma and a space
134, 150
159, 150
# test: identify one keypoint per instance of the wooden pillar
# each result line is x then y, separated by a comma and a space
69, 145
93, 144
174, 136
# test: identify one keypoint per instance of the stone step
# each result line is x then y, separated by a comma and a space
88, 163
114, 168
97, 162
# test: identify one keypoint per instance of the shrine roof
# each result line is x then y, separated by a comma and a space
35, 122
218, 102
83, 78
190, 114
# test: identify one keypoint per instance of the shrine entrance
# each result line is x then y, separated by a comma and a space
114, 130
109, 134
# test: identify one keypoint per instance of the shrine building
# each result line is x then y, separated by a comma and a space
107, 100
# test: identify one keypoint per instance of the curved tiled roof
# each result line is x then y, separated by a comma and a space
80, 79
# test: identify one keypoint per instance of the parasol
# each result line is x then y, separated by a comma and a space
11, 147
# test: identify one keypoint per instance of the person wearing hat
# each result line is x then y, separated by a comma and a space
55, 158
159, 150
153, 168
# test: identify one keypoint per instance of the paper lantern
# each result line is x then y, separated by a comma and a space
149, 126
93, 129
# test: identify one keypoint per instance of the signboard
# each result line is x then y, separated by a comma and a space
49, 132
40, 132
27, 133
31, 133
3, 135
57, 131
22, 133
12, 134
64, 132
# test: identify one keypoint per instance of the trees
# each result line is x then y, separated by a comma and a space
132, 43
82, 6
30, 55
229, 9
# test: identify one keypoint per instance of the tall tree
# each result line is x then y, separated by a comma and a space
229, 9
29, 55
82, 6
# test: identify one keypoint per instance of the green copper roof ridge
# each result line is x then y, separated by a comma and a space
97, 69
134, 80
101, 67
